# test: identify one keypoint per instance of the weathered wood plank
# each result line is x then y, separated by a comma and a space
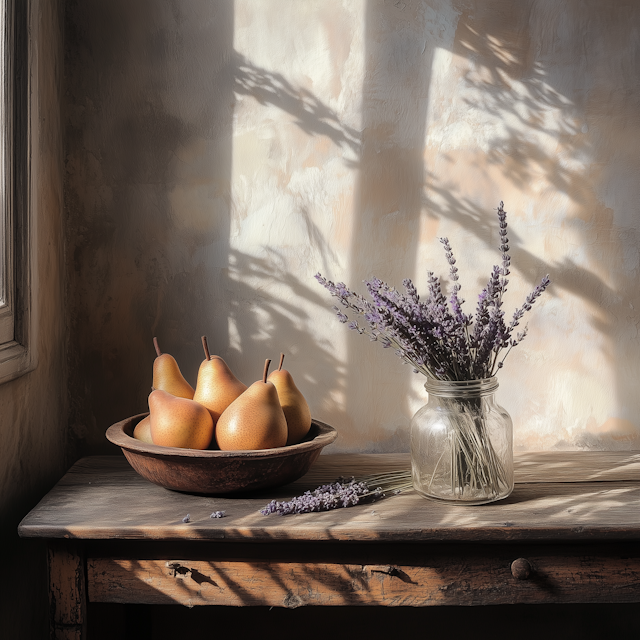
577, 466
457, 579
574, 513
529, 466
67, 592
104, 498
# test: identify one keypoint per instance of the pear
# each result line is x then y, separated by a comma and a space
295, 407
254, 420
142, 431
216, 387
167, 375
179, 422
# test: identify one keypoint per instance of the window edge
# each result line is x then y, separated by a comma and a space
19, 356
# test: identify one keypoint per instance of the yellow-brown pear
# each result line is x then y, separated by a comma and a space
216, 387
142, 431
295, 407
254, 420
179, 422
167, 375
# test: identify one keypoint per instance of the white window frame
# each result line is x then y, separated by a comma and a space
17, 233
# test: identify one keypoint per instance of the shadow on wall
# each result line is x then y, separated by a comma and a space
386, 218
149, 194
266, 324
520, 74
311, 115
511, 82
388, 204
517, 76
532, 73
147, 190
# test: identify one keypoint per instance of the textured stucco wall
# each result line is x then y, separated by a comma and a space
220, 154
33, 408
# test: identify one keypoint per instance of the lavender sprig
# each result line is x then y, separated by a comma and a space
504, 249
344, 492
435, 336
329, 496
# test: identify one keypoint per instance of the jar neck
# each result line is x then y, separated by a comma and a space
461, 388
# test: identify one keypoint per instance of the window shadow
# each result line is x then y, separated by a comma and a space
528, 71
150, 210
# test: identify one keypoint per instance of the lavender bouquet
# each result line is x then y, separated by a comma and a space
439, 340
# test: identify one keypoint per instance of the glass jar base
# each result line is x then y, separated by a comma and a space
463, 502
462, 444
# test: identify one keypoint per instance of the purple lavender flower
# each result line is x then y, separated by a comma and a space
341, 493
435, 336
504, 247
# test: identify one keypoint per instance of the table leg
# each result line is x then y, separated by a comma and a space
67, 591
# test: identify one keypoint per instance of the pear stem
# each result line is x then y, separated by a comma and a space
267, 362
205, 346
155, 344
281, 361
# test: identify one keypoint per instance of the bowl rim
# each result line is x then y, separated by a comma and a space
116, 435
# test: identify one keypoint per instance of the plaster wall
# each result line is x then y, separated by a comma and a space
33, 408
220, 154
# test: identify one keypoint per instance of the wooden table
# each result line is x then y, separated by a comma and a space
568, 533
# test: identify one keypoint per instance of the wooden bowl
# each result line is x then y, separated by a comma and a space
219, 472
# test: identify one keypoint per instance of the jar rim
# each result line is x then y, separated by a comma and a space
465, 388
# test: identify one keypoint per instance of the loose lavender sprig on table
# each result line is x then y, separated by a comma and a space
438, 339
344, 492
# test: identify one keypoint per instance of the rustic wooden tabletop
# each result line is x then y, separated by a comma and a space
558, 496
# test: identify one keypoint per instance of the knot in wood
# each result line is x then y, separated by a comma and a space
292, 601
521, 569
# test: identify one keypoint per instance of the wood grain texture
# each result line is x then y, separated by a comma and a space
558, 496
577, 466
462, 577
67, 592
139, 549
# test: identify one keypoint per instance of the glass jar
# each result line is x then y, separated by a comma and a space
462, 443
